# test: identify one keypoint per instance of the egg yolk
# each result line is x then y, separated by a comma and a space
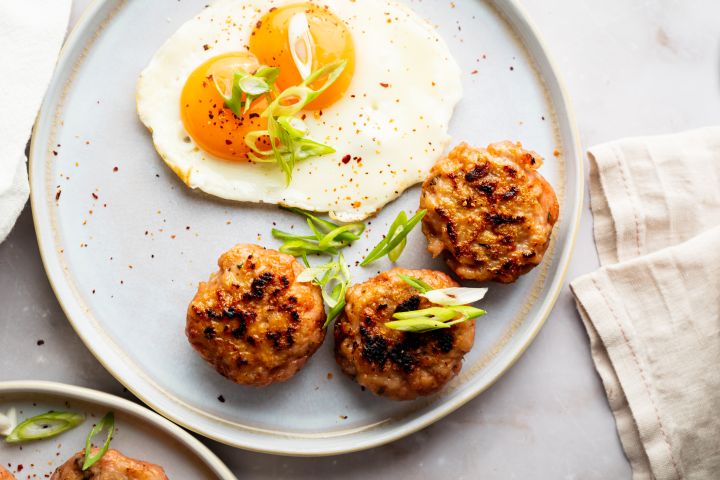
214, 127
330, 41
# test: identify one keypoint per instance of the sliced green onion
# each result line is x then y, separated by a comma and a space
319, 235
288, 135
106, 423
416, 283
328, 238
396, 239
452, 309
246, 88
280, 235
394, 254
433, 318
293, 125
441, 314
270, 74
455, 295
452, 296
333, 278
326, 226
416, 325
45, 425
8, 422
298, 248
312, 273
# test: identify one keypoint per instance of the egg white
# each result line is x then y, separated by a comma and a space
394, 116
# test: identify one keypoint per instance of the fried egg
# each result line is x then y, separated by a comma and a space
386, 115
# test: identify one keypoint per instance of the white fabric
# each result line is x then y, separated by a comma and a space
652, 311
31, 33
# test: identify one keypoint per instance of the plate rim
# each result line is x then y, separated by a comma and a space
128, 407
512, 12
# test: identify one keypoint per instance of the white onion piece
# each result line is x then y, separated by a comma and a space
301, 44
310, 274
455, 295
8, 422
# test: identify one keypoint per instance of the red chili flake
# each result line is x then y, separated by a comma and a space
41, 342
346, 159
94, 195
253, 115
206, 47
258, 24
384, 85
474, 72
228, 142
221, 399
57, 195
115, 169
20, 467
55, 153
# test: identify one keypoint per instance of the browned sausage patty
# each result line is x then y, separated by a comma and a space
252, 321
394, 364
113, 465
489, 210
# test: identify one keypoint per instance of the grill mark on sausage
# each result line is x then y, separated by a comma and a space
487, 188
444, 341
478, 172
257, 287
500, 219
402, 358
375, 349
412, 303
452, 234
510, 193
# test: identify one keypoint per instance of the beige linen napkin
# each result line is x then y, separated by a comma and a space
31, 33
652, 311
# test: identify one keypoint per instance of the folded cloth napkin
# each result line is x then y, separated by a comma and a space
31, 33
652, 311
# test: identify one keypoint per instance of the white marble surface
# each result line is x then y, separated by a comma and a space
631, 67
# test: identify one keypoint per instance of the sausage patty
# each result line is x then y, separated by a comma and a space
252, 321
391, 363
113, 465
489, 211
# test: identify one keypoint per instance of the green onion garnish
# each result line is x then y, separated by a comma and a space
416, 283
394, 242
45, 425
452, 309
433, 318
447, 297
246, 88
107, 422
287, 135
327, 238
333, 278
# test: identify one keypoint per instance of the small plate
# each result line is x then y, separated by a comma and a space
125, 243
139, 434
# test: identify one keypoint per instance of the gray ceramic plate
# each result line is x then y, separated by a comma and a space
139, 433
124, 249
